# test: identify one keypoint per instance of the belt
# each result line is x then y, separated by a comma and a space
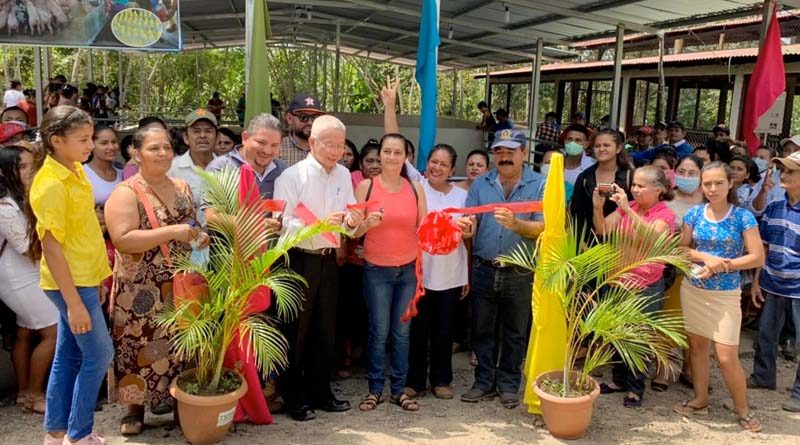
324, 251
494, 264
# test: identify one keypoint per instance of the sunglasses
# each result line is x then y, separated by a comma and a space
305, 117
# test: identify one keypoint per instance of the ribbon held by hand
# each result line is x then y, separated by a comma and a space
308, 217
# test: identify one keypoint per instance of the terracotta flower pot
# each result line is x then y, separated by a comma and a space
566, 417
205, 419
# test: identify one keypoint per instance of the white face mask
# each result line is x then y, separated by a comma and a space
545, 169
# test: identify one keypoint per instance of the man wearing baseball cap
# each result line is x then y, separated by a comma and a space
644, 138
300, 114
11, 133
777, 286
790, 145
499, 234
201, 137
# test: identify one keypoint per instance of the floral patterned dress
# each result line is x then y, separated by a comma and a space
143, 366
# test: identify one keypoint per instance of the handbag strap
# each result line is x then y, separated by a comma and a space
151, 216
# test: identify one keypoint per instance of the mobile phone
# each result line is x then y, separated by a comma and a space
605, 190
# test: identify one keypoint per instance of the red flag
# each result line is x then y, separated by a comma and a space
767, 82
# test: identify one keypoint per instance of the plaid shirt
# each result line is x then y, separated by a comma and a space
547, 133
290, 152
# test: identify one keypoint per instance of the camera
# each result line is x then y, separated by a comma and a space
605, 190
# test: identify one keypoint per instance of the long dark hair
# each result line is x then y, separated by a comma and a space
355, 165
398, 137
11, 186
753, 175
623, 161
733, 198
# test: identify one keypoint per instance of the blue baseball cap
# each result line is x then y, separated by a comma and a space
509, 139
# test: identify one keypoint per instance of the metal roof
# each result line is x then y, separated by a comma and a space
474, 32
793, 51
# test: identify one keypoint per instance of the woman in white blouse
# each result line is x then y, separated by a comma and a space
20, 291
445, 280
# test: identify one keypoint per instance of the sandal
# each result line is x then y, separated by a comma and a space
607, 389
404, 401
35, 404
370, 402
687, 410
473, 361
658, 386
632, 402
131, 424
750, 422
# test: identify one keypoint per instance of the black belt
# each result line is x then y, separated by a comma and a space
499, 265
324, 251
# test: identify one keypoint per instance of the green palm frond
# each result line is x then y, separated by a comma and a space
604, 307
244, 256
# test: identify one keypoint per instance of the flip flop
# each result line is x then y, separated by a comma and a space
658, 386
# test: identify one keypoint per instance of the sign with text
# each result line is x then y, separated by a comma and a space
143, 25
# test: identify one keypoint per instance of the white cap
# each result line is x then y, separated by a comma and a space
794, 139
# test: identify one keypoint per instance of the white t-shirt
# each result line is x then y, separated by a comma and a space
101, 189
442, 272
571, 175
12, 98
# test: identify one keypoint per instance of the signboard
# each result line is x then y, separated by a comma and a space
144, 25
771, 122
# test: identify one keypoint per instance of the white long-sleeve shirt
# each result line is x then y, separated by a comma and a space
323, 193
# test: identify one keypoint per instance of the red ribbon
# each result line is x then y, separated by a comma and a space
438, 234
273, 205
365, 205
307, 216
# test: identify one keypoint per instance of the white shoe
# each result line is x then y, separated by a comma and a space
91, 439
50, 440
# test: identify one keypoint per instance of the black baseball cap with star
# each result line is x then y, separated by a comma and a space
304, 104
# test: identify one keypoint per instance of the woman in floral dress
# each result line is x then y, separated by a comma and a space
143, 365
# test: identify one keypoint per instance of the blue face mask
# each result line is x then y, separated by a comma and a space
687, 185
573, 148
545, 169
761, 164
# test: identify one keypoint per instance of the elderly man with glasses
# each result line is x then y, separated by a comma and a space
300, 114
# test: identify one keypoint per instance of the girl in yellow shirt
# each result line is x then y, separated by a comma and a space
73, 266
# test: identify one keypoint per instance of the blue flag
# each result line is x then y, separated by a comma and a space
427, 60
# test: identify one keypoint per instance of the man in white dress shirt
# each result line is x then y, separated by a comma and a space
201, 137
324, 186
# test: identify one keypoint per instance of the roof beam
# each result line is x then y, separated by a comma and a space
465, 23
554, 7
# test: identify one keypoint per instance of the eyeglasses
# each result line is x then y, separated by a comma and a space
305, 117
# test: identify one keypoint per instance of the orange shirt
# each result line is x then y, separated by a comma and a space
394, 241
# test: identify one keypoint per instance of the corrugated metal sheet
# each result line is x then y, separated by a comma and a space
752, 53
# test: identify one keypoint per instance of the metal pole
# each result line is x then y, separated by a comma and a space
90, 66
617, 84
37, 73
46, 64
766, 17
536, 76
660, 99
121, 81
316, 59
486, 94
455, 92
336, 75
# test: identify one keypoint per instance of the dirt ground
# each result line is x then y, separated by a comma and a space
454, 422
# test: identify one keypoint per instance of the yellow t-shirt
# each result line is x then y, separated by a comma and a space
64, 206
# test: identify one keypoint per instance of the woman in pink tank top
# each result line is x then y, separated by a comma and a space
390, 251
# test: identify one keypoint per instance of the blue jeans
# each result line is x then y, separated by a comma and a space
501, 300
773, 316
79, 366
388, 290
621, 375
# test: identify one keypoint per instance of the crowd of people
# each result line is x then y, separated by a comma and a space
90, 222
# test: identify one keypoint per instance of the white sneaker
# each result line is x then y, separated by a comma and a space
91, 439
50, 440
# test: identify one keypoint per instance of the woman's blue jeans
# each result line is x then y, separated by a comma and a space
79, 366
388, 291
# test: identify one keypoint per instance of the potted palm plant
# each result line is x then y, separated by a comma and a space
245, 258
604, 313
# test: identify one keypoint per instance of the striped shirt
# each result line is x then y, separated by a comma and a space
290, 152
780, 231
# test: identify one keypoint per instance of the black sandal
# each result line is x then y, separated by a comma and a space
131, 424
404, 401
632, 402
658, 386
606, 389
370, 402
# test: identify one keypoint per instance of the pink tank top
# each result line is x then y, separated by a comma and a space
394, 242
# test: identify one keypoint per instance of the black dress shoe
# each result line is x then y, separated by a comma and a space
303, 413
333, 405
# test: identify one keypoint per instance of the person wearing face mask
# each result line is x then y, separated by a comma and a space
545, 170
300, 115
576, 138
